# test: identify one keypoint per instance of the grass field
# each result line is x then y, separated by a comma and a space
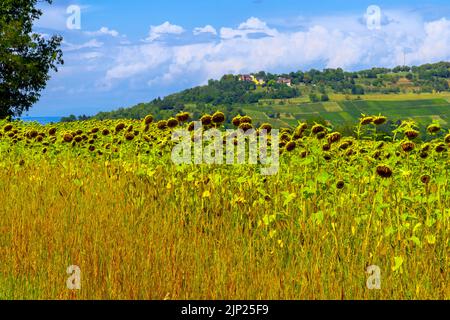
106, 196
423, 111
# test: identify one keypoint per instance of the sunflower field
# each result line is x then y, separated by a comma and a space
105, 196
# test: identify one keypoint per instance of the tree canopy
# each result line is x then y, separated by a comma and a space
26, 57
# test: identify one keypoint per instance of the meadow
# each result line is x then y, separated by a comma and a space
106, 196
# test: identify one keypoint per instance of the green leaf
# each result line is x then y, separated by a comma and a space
398, 262
416, 241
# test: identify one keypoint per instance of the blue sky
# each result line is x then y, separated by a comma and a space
132, 51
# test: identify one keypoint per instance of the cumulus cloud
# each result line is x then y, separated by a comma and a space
251, 26
436, 44
166, 28
206, 29
102, 32
331, 42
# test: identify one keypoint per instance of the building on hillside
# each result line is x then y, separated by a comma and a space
251, 78
246, 77
285, 81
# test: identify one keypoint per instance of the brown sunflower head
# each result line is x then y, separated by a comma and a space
266, 126
68, 137
433, 128
162, 124
183, 116
384, 171
440, 148
317, 128
236, 121
411, 134
367, 120
129, 136
408, 146
52, 131
172, 123
425, 179
334, 137
148, 119
120, 126
206, 120
290, 146
379, 120
245, 126
447, 138
321, 135
218, 117
246, 119
191, 126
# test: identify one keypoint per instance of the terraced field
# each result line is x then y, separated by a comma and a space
423, 111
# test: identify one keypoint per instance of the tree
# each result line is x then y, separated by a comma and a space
26, 58
313, 97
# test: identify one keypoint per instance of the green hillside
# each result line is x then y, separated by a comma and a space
341, 112
419, 93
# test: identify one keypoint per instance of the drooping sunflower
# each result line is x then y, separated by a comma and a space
236, 121
411, 134
433, 128
52, 131
379, 120
172, 123
246, 119
408, 146
290, 146
440, 148
183, 116
317, 128
120, 127
384, 171
68, 137
334, 137
162, 124
148, 119
245, 126
266, 126
367, 120
206, 120
218, 118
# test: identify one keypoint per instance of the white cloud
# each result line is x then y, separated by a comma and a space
332, 42
436, 45
251, 26
94, 43
163, 29
134, 60
206, 29
103, 31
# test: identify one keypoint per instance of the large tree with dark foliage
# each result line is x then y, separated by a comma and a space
26, 58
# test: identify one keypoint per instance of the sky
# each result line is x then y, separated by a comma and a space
123, 52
